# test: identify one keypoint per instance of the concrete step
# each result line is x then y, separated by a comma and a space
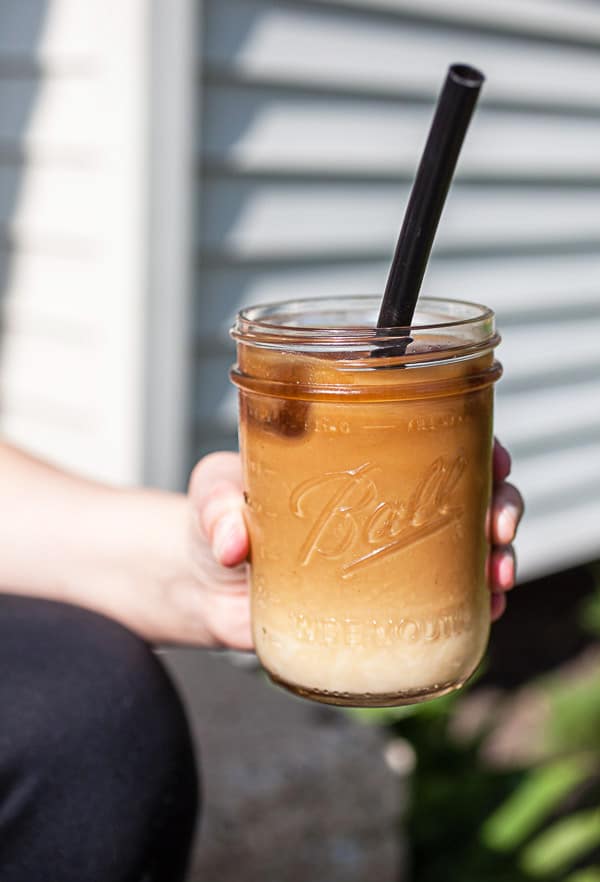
293, 791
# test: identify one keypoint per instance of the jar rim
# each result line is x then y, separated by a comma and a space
340, 323
260, 321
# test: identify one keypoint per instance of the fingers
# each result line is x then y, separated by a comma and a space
215, 493
498, 603
224, 464
228, 618
501, 527
501, 462
502, 569
506, 512
501, 578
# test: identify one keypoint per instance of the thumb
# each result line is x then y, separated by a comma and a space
216, 496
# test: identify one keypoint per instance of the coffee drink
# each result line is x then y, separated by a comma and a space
367, 476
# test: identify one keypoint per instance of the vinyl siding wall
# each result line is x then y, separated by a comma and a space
73, 231
314, 115
309, 118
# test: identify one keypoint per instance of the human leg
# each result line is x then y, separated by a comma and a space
97, 774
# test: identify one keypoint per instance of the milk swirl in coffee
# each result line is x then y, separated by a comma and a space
367, 482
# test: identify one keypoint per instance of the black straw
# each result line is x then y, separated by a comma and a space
450, 122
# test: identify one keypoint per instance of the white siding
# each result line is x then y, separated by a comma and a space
73, 106
314, 116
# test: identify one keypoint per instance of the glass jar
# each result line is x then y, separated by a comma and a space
367, 460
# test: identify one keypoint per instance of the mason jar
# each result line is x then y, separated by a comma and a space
367, 469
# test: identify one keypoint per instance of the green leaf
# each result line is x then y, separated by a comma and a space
574, 713
589, 874
537, 796
565, 842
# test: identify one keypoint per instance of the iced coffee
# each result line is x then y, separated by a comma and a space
367, 473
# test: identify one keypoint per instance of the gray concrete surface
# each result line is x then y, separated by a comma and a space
293, 791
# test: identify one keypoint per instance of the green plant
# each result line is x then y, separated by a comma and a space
475, 823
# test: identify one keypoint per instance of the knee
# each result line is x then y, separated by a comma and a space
94, 701
95, 744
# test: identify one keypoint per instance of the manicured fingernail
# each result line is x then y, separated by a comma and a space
227, 533
508, 522
507, 570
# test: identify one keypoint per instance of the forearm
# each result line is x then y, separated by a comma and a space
69, 539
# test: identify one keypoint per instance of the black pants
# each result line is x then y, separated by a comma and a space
97, 774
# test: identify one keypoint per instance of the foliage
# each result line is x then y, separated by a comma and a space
475, 823
565, 841
539, 794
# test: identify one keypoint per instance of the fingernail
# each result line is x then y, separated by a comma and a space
508, 523
226, 532
507, 571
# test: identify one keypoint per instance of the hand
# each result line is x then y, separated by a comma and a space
503, 519
220, 548
220, 543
